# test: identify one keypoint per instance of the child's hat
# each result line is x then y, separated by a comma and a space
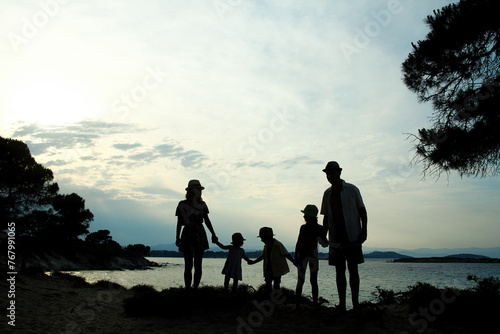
265, 232
237, 237
311, 210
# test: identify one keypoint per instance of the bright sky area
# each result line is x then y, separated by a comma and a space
126, 101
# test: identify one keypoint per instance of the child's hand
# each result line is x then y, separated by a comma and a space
214, 239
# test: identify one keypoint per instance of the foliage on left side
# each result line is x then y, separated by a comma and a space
30, 198
46, 220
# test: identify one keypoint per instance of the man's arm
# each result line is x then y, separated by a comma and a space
364, 222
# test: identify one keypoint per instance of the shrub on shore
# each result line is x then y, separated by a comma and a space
474, 308
182, 302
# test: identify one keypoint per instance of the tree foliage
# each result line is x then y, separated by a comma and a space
138, 249
71, 217
30, 198
100, 237
457, 69
25, 185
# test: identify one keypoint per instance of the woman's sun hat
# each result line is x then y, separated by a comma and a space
194, 184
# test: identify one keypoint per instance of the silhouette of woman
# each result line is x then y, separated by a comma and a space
191, 213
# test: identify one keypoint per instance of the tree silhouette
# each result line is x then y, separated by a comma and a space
26, 187
99, 237
138, 249
71, 217
457, 69
29, 197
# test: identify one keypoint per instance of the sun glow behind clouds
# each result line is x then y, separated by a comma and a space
48, 100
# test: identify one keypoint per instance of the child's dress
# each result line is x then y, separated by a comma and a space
232, 267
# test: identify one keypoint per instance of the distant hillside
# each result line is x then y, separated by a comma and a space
493, 252
255, 254
385, 255
468, 256
165, 247
450, 259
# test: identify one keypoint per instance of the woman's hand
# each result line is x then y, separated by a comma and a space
214, 238
178, 242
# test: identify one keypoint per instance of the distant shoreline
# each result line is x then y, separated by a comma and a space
390, 256
447, 260
254, 254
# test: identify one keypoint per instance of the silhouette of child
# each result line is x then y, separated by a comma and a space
306, 251
232, 267
274, 255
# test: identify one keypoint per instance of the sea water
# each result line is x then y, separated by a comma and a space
384, 273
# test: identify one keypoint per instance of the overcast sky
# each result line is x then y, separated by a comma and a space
126, 101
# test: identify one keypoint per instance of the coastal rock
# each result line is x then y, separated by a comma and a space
52, 261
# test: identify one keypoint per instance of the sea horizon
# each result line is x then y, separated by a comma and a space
492, 252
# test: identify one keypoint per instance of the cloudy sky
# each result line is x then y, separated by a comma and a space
126, 101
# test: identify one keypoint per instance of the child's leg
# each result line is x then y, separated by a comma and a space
277, 283
269, 284
226, 282
269, 279
313, 267
300, 281
235, 284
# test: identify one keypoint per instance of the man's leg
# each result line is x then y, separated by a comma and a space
341, 284
354, 283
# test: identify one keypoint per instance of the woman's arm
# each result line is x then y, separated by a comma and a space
178, 231
210, 228
297, 248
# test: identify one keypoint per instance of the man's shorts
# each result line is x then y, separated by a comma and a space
352, 253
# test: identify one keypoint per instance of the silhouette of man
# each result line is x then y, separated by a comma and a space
346, 220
